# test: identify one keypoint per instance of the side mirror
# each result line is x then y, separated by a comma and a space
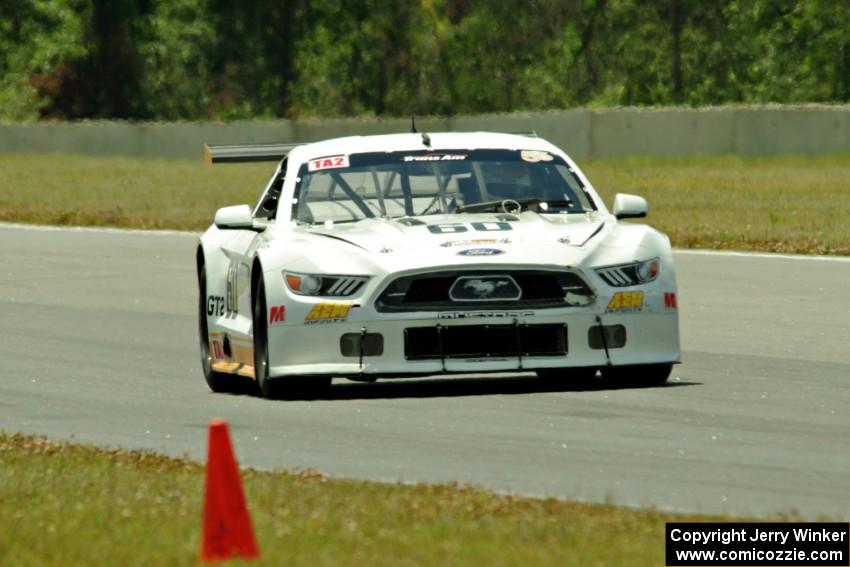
237, 216
630, 206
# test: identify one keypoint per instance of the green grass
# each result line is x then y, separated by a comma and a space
777, 204
66, 504
126, 192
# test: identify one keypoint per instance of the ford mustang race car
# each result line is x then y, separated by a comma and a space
418, 254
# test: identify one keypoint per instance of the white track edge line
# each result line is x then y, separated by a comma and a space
96, 229
769, 255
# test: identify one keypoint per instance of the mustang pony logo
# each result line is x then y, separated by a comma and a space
483, 289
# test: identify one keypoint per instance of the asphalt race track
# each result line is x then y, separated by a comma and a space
98, 343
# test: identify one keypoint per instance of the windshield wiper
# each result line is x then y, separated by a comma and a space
535, 204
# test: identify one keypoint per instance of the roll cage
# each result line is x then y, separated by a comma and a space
415, 183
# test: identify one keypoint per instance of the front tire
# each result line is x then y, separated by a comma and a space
279, 387
637, 375
261, 342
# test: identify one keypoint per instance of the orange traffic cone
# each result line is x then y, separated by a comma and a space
227, 525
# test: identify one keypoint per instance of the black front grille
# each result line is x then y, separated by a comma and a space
484, 341
431, 292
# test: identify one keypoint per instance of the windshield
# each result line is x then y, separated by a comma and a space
345, 188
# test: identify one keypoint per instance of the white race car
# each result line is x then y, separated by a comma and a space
418, 254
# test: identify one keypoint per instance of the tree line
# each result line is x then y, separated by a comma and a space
220, 59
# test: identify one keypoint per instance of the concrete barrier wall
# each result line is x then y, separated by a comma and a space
751, 130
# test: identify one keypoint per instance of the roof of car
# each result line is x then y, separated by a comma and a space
415, 141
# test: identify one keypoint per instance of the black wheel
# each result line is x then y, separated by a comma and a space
574, 376
637, 375
217, 381
261, 342
278, 387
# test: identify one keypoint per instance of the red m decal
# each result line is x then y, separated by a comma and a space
277, 314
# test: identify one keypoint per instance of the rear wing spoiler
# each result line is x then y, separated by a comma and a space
243, 153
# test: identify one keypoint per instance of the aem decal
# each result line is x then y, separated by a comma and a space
328, 313
626, 301
277, 314
330, 162
670, 301
215, 305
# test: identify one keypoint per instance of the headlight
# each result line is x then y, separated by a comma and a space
303, 285
324, 286
630, 274
648, 271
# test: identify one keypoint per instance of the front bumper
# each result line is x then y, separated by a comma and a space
295, 349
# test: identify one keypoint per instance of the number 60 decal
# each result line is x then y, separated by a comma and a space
454, 228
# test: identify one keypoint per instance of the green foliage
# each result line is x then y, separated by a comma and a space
176, 47
37, 40
218, 59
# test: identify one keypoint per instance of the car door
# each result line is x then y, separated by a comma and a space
239, 248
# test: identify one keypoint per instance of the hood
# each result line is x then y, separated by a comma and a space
526, 238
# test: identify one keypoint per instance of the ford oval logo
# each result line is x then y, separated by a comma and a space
481, 252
